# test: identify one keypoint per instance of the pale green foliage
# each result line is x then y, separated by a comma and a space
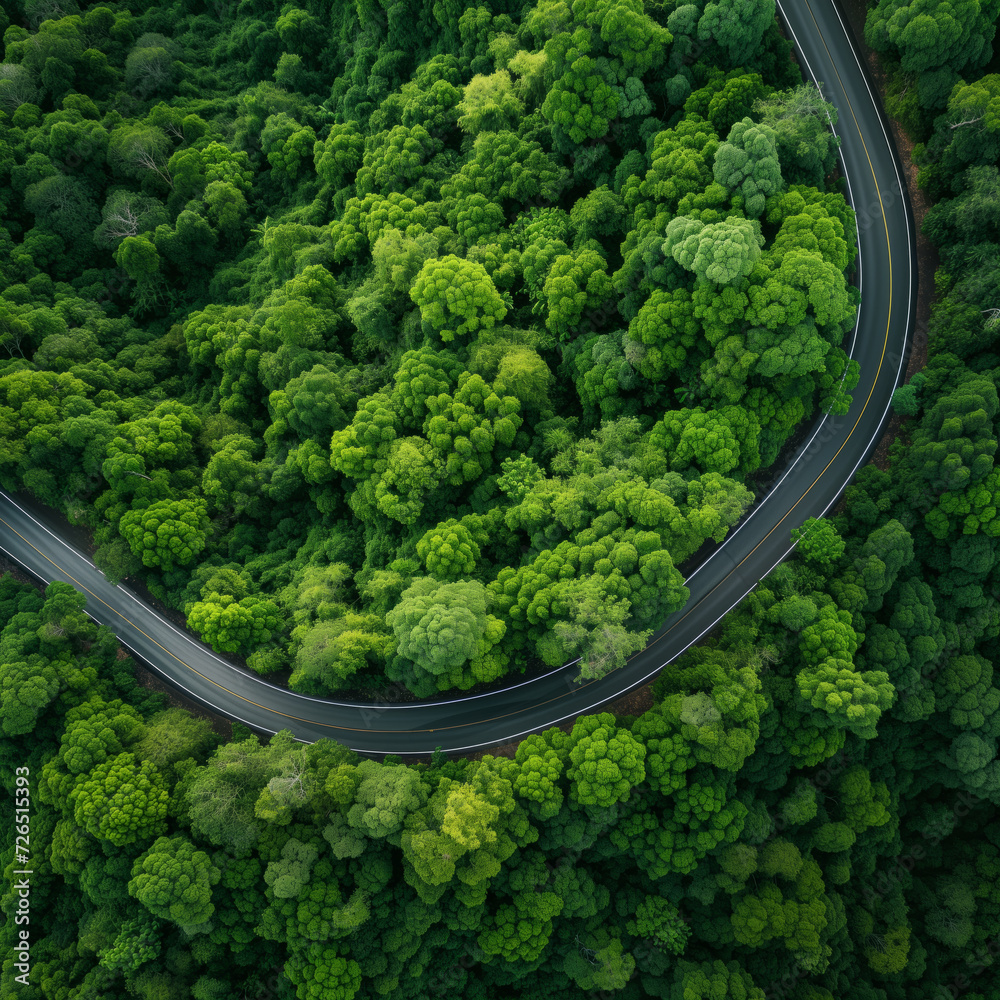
332, 652
456, 297
489, 104
722, 252
166, 533
122, 800
231, 625
605, 762
174, 880
449, 551
747, 164
443, 629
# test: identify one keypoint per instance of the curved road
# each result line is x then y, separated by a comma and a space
809, 486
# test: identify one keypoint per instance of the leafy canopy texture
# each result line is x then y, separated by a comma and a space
747, 164
456, 297
508, 296
410, 347
174, 880
166, 533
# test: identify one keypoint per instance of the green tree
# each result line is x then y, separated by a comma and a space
320, 973
288, 146
803, 124
819, 542
149, 68
338, 156
137, 942
231, 625
605, 763
710, 980
847, 698
747, 164
489, 104
442, 630
126, 213
930, 37
737, 26
668, 329
456, 297
581, 103
449, 551
172, 737
658, 921
166, 533
520, 931
385, 796
174, 880
691, 436
592, 629
538, 780
220, 796
575, 286
599, 962
140, 153
122, 800
332, 652
232, 477
722, 252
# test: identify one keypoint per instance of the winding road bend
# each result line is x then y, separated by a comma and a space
810, 484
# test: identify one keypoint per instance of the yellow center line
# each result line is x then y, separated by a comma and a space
221, 687
686, 612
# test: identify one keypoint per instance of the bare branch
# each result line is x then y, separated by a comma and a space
123, 221
968, 121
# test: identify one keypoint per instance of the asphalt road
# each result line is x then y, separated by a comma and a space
813, 480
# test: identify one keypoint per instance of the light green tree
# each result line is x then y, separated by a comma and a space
747, 165
489, 104
456, 297
174, 880
440, 628
230, 625
167, 533
606, 762
122, 800
448, 550
722, 252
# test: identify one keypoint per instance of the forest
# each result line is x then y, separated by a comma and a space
421, 345
430, 381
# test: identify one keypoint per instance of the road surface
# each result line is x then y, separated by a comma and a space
811, 483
